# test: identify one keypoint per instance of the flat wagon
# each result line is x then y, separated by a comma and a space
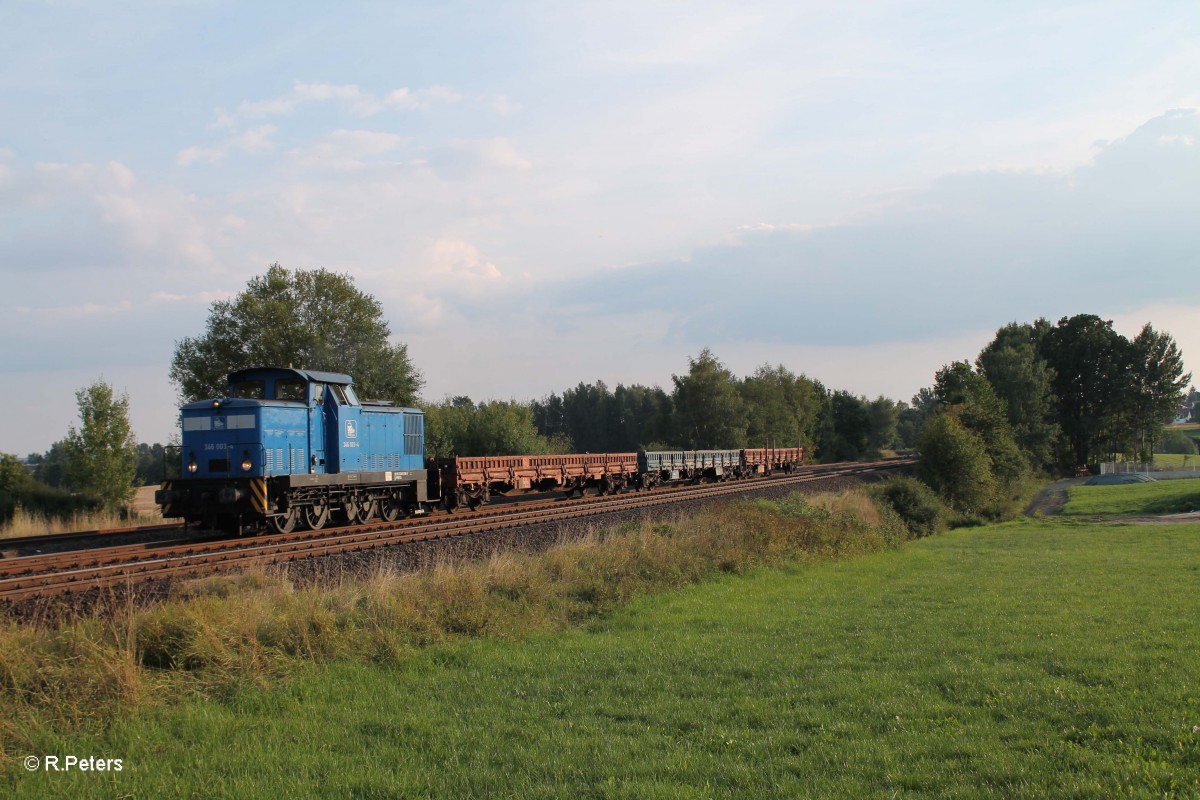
470, 481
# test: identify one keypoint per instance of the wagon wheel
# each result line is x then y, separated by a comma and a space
390, 510
315, 517
286, 523
366, 511
606, 486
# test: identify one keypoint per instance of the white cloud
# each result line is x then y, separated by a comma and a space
351, 97
348, 150
255, 141
461, 260
421, 98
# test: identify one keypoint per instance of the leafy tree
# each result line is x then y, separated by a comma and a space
1157, 384
313, 319
457, 426
638, 415
1021, 379
970, 396
587, 409
911, 418
782, 408
1089, 362
847, 437
709, 412
954, 463
151, 466
884, 415
52, 467
13, 475
101, 456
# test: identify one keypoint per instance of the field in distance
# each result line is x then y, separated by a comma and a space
1040, 658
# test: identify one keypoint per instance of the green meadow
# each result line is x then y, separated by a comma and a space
1039, 658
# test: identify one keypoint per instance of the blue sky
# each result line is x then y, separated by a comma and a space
544, 193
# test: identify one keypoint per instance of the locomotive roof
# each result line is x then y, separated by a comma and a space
307, 374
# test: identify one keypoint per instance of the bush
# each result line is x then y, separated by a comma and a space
40, 499
1179, 443
916, 504
955, 463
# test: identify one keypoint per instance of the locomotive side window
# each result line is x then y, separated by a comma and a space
340, 393
291, 390
318, 393
350, 397
249, 390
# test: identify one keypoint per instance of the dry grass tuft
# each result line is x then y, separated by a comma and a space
28, 523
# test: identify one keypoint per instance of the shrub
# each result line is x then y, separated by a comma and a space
955, 463
1179, 443
917, 504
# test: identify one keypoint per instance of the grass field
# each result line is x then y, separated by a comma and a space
1159, 497
1047, 658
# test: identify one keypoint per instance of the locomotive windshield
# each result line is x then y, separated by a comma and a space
249, 390
292, 390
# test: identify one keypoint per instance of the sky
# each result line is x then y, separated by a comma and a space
540, 194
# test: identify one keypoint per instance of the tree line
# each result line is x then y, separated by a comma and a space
1039, 397
1045, 397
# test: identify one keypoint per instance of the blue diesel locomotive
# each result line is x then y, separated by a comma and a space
293, 446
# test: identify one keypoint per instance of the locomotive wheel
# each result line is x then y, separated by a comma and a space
286, 523
315, 517
366, 511
390, 510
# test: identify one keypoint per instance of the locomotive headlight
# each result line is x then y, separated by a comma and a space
246, 461
192, 463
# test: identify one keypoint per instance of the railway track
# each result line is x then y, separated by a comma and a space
26, 577
82, 539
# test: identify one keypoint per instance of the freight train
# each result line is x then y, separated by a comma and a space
291, 448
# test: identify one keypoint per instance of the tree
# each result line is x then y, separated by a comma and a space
972, 400
1157, 384
638, 415
847, 437
152, 464
13, 475
709, 412
954, 463
457, 426
1021, 379
52, 467
307, 319
1090, 361
912, 417
782, 408
884, 415
101, 456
